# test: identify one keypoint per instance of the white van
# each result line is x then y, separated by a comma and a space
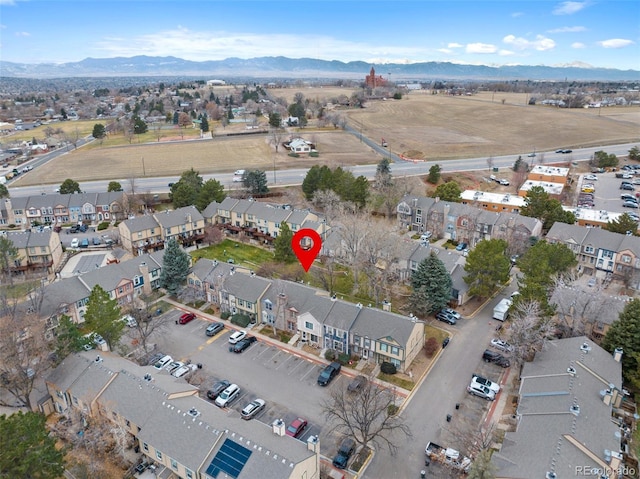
162, 362
129, 321
228, 395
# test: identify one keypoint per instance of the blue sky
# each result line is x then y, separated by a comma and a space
596, 33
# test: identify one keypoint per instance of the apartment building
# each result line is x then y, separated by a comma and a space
37, 252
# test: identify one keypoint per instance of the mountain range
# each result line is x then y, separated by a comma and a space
283, 67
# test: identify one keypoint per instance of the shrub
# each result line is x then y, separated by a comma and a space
392, 409
314, 154
225, 315
388, 368
241, 320
343, 358
431, 346
294, 155
103, 226
330, 355
12, 225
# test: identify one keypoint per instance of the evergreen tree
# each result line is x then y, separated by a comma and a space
282, 245
114, 186
623, 224
103, 316
539, 205
449, 191
383, 177
431, 284
68, 338
275, 120
625, 333
99, 131
139, 125
212, 190
434, 174
204, 126
256, 182
487, 267
69, 186
8, 254
4, 192
175, 267
28, 451
176, 117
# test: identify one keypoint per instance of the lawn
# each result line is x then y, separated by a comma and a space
242, 254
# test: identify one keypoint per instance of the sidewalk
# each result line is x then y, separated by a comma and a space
294, 350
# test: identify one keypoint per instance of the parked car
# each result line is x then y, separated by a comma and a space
630, 204
461, 246
73, 229
480, 390
452, 312
217, 388
162, 362
485, 382
357, 383
98, 340
296, 427
84, 243
96, 241
252, 409
75, 242
214, 329
227, 396
591, 177
184, 370
140, 468
186, 317
129, 320
173, 365
627, 186
628, 197
425, 236
504, 182
328, 373
446, 318
345, 451
492, 357
501, 345
237, 336
588, 189
244, 344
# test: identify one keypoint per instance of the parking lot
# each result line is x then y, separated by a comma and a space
286, 381
607, 195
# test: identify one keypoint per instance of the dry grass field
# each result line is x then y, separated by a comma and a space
421, 125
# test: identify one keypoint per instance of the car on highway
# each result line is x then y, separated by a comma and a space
357, 383
476, 389
296, 428
186, 317
591, 177
214, 329
252, 409
486, 382
243, 344
501, 345
446, 318
217, 388
345, 451
630, 204
237, 336
566, 151
328, 373
227, 396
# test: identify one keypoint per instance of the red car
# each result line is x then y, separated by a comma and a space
296, 427
186, 317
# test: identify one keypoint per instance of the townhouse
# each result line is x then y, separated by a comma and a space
310, 315
499, 202
260, 221
57, 209
174, 427
566, 424
123, 281
37, 252
146, 233
600, 253
463, 222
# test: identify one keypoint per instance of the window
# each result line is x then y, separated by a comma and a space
588, 249
174, 464
626, 259
383, 347
159, 455
145, 447
394, 350
308, 325
189, 474
126, 421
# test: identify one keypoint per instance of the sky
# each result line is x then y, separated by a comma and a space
517, 32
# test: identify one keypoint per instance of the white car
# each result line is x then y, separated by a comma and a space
162, 362
237, 336
75, 242
452, 312
495, 387
183, 370
504, 182
501, 345
129, 320
591, 177
227, 396
480, 390
173, 365
253, 408
239, 172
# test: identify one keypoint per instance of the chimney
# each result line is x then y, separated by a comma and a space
146, 280
617, 354
313, 444
386, 305
278, 427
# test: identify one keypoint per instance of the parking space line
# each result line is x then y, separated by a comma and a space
273, 357
283, 362
313, 366
267, 348
300, 363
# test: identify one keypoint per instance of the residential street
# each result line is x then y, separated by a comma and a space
444, 386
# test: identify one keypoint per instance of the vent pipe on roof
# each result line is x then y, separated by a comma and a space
617, 354
585, 348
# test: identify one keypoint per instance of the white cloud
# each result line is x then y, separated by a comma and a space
578, 45
568, 30
455, 45
506, 53
517, 14
481, 48
569, 8
22, 34
445, 50
615, 43
541, 43
7, 2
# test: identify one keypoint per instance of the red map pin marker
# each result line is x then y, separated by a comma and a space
306, 254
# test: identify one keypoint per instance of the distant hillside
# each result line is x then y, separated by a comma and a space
282, 67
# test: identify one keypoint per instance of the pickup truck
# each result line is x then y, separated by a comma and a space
447, 456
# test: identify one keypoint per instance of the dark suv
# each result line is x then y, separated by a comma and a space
493, 357
217, 388
328, 373
347, 448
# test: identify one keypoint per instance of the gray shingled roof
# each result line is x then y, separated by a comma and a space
26, 239
245, 287
547, 393
342, 315
178, 217
65, 291
141, 223
211, 210
378, 324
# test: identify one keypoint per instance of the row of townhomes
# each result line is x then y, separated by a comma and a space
568, 416
174, 426
58, 209
315, 317
37, 252
251, 219
465, 223
601, 253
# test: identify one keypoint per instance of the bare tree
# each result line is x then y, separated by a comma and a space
191, 295
367, 415
148, 324
529, 330
275, 137
212, 234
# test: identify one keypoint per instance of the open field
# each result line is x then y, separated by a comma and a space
421, 125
